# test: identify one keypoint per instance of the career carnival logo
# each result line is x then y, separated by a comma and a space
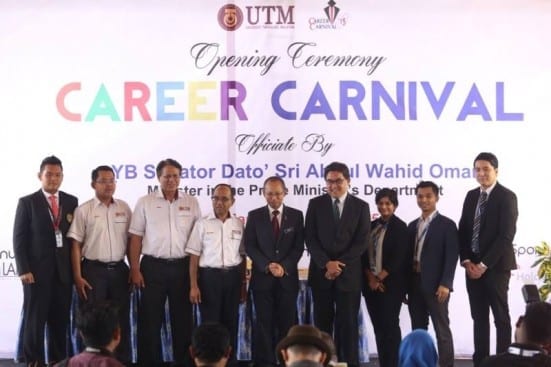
266, 16
334, 18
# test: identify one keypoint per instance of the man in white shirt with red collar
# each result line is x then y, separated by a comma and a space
161, 224
217, 265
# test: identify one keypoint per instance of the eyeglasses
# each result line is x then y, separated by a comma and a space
338, 181
106, 182
222, 199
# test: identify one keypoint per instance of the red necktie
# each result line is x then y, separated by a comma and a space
275, 223
54, 206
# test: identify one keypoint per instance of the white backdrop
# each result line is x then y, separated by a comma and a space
124, 83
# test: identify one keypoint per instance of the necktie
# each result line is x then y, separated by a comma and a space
336, 210
275, 223
54, 206
480, 207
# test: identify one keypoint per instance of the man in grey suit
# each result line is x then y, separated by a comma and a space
435, 244
337, 228
274, 240
486, 229
42, 254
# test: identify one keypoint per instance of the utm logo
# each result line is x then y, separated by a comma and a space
230, 17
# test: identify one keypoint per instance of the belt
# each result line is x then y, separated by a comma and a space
176, 260
223, 269
107, 265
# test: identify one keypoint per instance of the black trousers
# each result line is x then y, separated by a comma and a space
339, 308
220, 297
164, 279
489, 292
276, 312
109, 281
384, 312
47, 301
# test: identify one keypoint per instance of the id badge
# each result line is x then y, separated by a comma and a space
58, 238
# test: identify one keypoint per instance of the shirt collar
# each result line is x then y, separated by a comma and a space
271, 210
341, 198
430, 217
47, 194
489, 189
97, 201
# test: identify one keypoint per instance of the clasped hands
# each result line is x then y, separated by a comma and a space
334, 269
474, 271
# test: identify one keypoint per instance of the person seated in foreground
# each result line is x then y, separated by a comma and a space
532, 340
98, 324
417, 350
210, 345
304, 347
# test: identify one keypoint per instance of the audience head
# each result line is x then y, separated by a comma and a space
210, 345
417, 350
328, 339
535, 326
98, 324
304, 343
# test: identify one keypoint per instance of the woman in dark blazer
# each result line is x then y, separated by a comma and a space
386, 265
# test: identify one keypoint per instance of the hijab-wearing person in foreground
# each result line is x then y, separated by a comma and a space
417, 350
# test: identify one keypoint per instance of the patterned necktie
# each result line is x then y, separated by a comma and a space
275, 223
480, 207
54, 206
336, 210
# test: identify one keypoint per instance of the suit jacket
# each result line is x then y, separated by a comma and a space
497, 228
34, 241
263, 248
397, 254
439, 254
345, 242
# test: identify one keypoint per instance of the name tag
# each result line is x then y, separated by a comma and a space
58, 238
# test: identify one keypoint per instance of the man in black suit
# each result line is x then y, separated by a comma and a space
274, 240
486, 230
434, 240
42, 254
336, 230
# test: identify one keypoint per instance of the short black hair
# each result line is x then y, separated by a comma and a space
96, 171
275, 179
537, 322
232, 189
51, 160
430, 184
338, 167
486, 156
97, 322
167, 162
387, 193
210, 342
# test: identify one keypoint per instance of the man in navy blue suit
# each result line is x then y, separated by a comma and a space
42, 254
434, 240
486, 229
274, 240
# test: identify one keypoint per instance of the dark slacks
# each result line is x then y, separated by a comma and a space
485, 293
109, 281
47, 301
275, 314
333, 307
423, 304
220, 298
164, 279
384, 311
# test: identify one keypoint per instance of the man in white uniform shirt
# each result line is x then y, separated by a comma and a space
217, 265
161, 224
100, 237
